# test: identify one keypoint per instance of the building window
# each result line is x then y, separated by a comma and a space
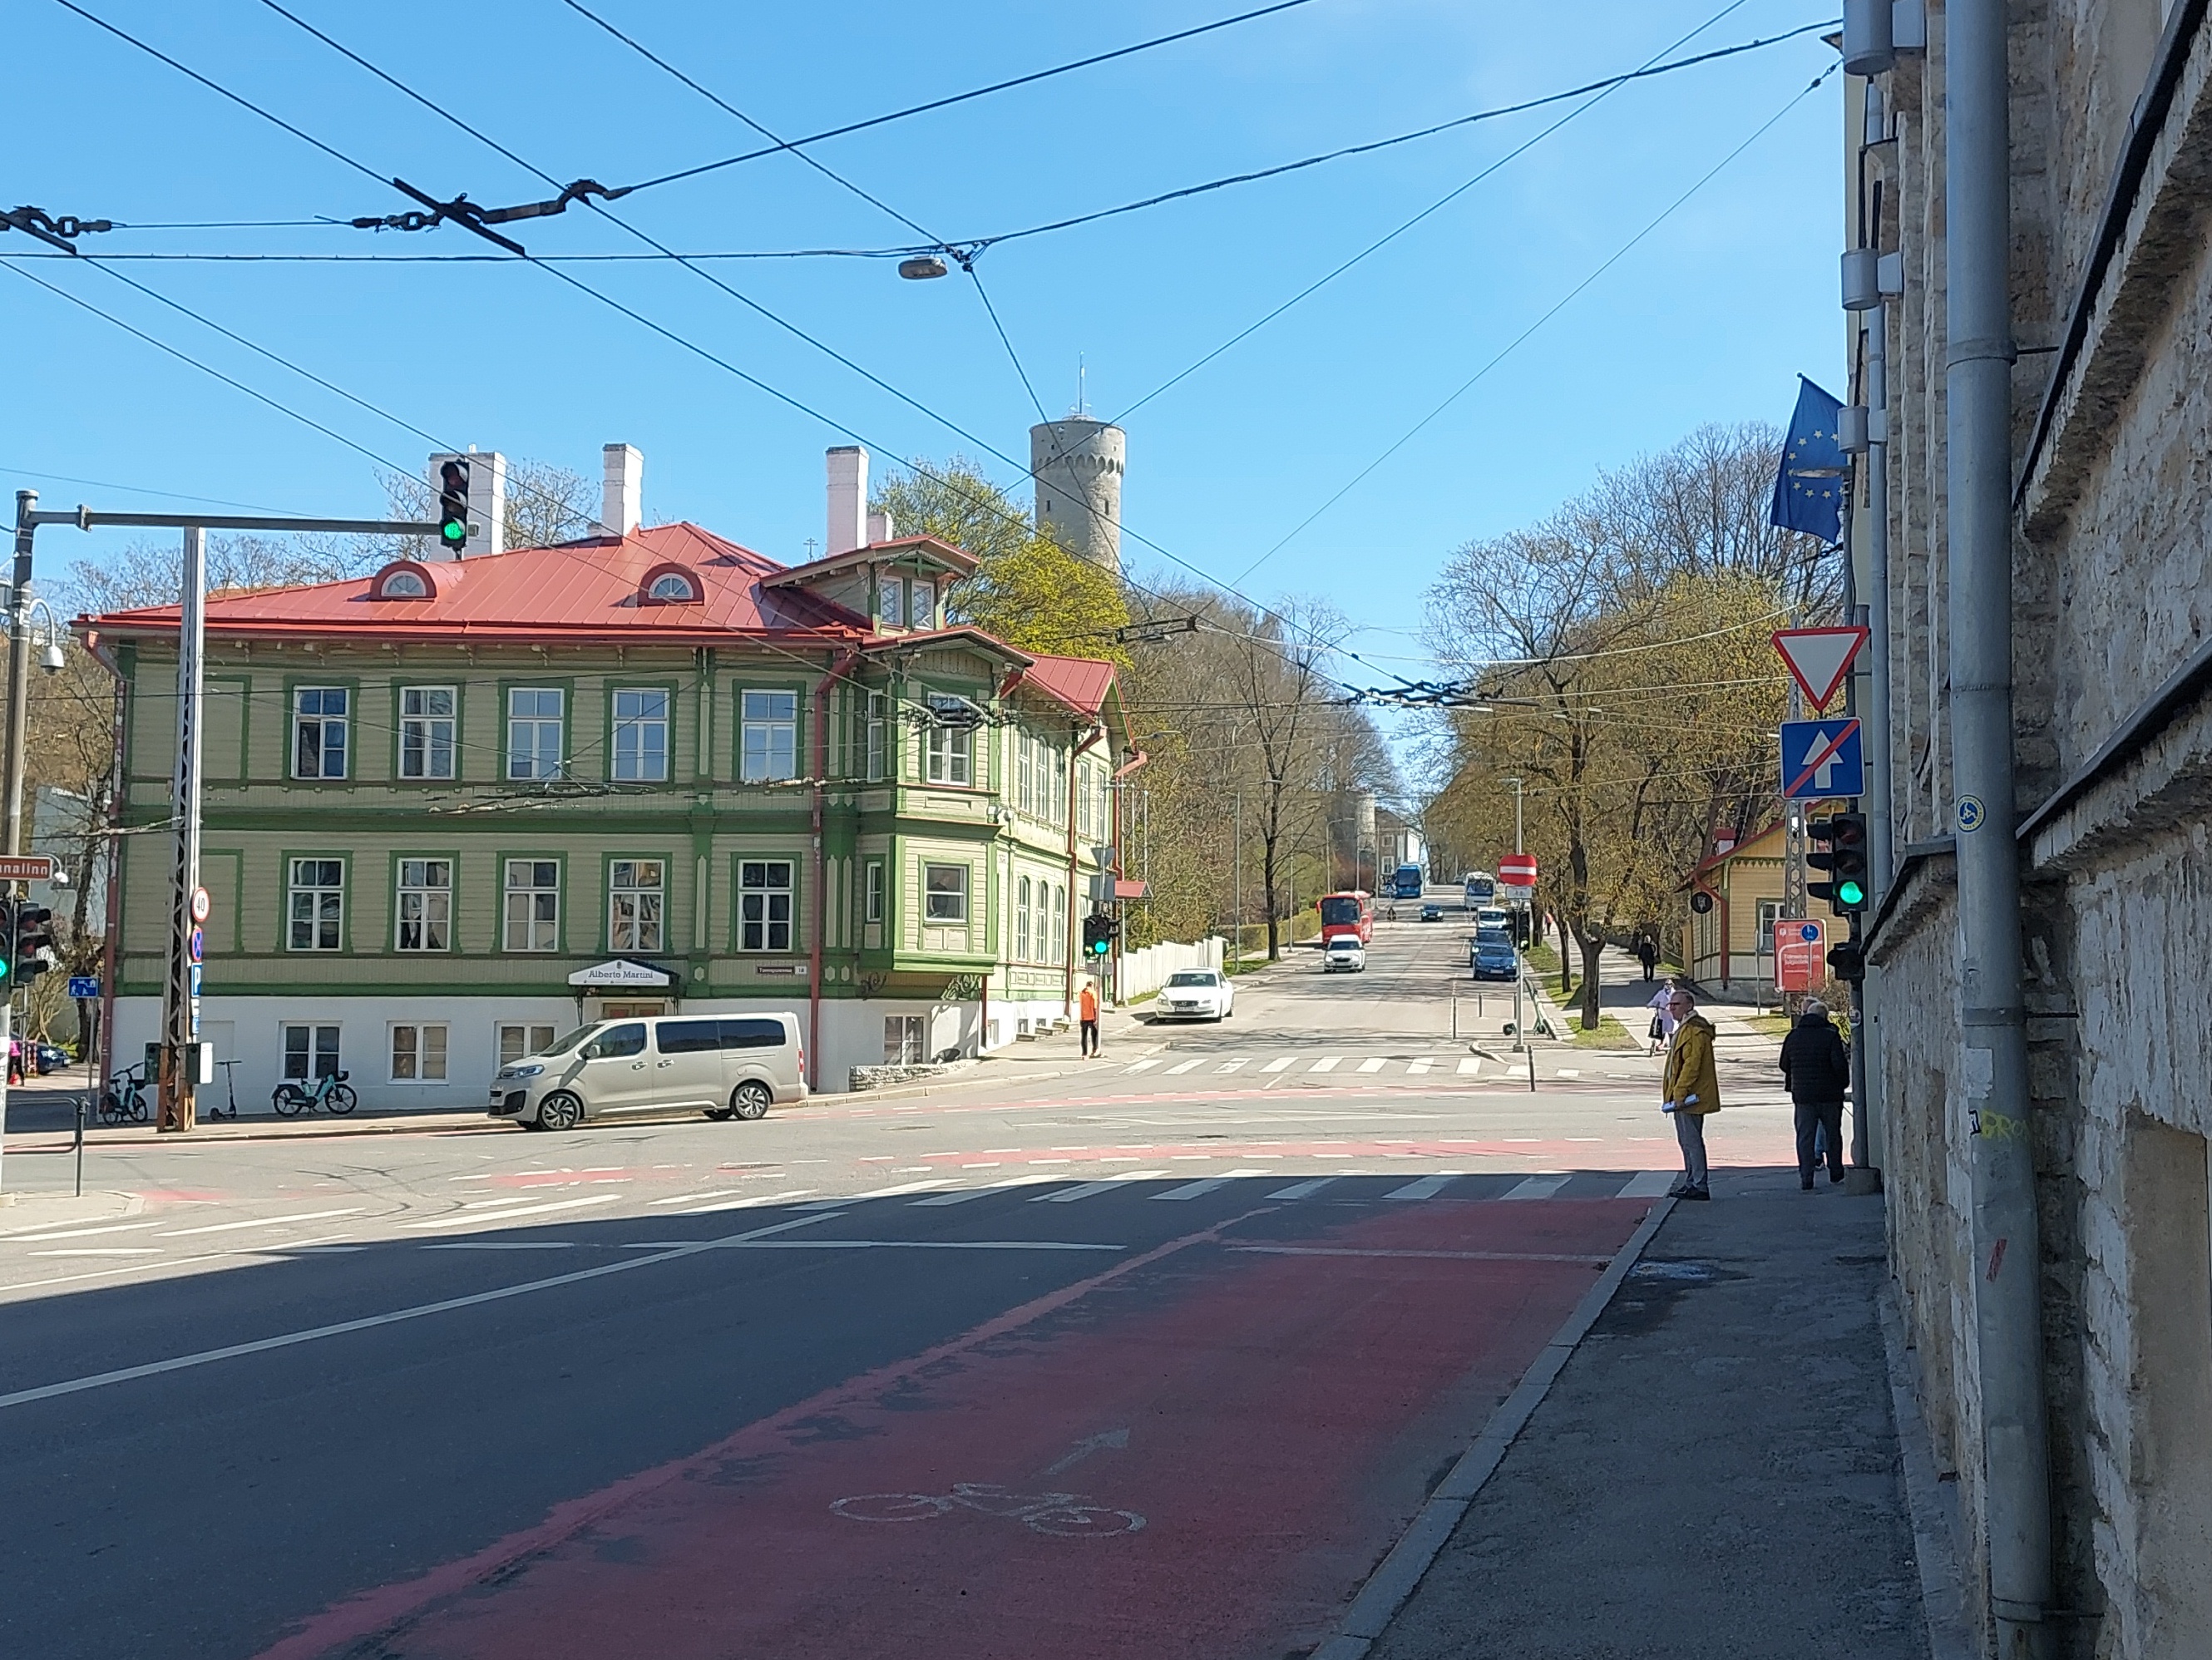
945, 893
1769, 911
923, 611
318, 732
871, 902
904, 1037
641, 737
515, 1041
1058, 953
426, 904
879, 754
1024, 774
311, 1052
672, 588
768, 736
316, 904
764, 904
533, 905
418, 1054
426, 731
951, 756
533, 732
894, 602
1022, 920
636, 897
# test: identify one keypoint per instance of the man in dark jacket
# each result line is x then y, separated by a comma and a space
1817, 1069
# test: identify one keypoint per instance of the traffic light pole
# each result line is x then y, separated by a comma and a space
179, 1076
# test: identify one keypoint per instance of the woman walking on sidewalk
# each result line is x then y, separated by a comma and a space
1690, 1088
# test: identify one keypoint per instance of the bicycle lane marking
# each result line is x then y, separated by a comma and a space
1283, 1414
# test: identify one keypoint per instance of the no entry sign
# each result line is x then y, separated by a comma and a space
1516, 870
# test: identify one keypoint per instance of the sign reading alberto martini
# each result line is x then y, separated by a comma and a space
622, 973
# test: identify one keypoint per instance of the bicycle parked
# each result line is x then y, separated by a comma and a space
329, 1092
125, 1097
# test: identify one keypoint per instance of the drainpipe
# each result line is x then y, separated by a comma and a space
1067, 945
838, 670
2007, 1256
1113, 796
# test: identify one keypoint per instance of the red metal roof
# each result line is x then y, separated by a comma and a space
576, 591
1081, 683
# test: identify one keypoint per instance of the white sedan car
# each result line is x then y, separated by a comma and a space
1195, 995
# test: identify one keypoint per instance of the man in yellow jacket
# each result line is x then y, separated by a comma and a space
1690, 1088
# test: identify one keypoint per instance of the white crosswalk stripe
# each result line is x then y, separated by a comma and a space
1651, 1184
1093, 1189
1472, 1065
1282, 1063
1372, 1063
1142, 1066
1536, 1187
1207, 1184
1419, 1065
1236, 1065
1326, 1063
1427, 1187
1303, 1189
1568, 1072
1183, 1066
962, 1195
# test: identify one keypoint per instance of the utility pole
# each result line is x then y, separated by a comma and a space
179, 1074
19, 686
1516, 814
1237, 927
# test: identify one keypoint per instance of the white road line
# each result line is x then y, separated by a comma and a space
1472, 1065
962, 1195
1091, 1189
265, 1222
1326, 1063
1237, 1065
697, 1197
1303, 1189
100, 1251
1207, 1184
1536, 1187
875, 1193
753, 1203
1180, 1067
1651, 1184
1427, 1187
505, 1244
1419, 1065
1140, 1066
370, 1323
1568, 1072
1282, 1063
527, 1210
87, 1233
1372, 1063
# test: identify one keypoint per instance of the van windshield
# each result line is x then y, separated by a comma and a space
562, 1045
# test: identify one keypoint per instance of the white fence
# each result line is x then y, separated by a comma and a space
1147, 970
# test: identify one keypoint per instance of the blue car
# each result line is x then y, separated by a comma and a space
1494, 959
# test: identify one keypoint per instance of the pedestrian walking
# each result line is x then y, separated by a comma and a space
1086, 1008
1663, 1016
1690, 1088
14, 1061
1817, 1066
1647, 953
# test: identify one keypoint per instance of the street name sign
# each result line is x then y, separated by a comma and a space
26, 868
1819, 658
1800, 954
1822, 760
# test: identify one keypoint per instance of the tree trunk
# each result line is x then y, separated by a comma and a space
1267, 876
1567, 957
1592, 949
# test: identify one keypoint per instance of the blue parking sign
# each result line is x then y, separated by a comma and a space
1821, 759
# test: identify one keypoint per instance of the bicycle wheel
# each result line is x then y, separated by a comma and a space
891, 1506
288, 1099
137, 1106
342, 1099
1083, 1522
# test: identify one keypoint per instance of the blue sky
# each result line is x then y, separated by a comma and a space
1708, 319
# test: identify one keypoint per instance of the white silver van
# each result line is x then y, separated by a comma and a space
726, 1066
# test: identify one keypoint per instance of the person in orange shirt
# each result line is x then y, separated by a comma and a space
1086, 1006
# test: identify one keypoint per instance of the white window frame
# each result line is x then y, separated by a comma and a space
950, 756
645, 928
944, 907
417, 1051
325, 721
325, 917
1058, 953
921, 603
1022, 913
525, 1039
429, 736
906, 1039
767, 908
767, 733
540, 909
892, 601
1768, 912
312, 1051
641, 746
872, 891
526, 730
426, 889
875, 735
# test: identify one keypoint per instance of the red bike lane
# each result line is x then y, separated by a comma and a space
1201, 1451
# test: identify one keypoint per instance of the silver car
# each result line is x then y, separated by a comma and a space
726, 1066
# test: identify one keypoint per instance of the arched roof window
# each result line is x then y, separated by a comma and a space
670, 585
404, 579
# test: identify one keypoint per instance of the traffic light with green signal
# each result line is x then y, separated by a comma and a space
1840, 849
1098, 934
453, 503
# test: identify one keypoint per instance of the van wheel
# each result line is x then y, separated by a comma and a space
750, 1101
560, 1111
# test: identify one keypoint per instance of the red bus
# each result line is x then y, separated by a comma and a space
1351, 912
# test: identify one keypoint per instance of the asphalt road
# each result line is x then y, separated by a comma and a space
1155, 1357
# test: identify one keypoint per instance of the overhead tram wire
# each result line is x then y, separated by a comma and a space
1559, 306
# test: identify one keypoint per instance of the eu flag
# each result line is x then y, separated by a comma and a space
1809, 490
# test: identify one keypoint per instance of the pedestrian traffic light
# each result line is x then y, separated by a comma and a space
1847, 961
1841, 842
1097, 934
31, 939
453, 503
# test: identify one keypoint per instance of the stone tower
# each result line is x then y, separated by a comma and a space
1079, 462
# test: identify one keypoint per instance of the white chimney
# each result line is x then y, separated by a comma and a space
622, 493
882, 527
849, 500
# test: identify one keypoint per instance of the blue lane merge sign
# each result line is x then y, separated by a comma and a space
1821, 759
84, 985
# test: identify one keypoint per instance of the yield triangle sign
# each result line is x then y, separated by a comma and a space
1818, 659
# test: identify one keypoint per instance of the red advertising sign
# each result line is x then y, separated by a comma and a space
1518, 870
1801, 955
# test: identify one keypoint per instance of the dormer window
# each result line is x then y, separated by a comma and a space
670, 585
893, 604
924, 609
402, 580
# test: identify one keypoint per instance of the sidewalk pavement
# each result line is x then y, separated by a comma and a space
1716, 1472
